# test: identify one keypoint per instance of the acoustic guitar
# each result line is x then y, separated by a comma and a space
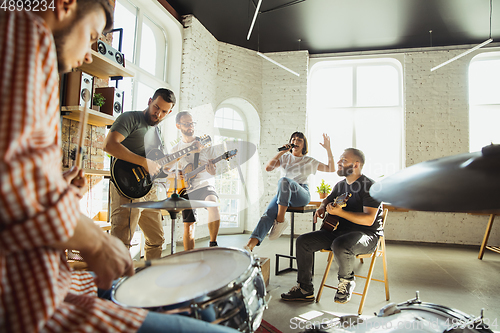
187, 175
134, 182
333, 222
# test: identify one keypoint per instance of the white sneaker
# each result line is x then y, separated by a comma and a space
246, 248
277, 229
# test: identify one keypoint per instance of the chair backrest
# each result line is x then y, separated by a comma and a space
381, 242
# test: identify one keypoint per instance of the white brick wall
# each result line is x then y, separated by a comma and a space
436, 118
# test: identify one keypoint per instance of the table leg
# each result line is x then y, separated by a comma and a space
486, 236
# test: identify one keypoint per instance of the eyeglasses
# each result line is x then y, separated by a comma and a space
189, 124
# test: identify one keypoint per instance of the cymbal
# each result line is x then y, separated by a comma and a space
172, 204
460, 183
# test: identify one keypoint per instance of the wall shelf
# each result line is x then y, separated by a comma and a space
95, 118
94, 172
103, 67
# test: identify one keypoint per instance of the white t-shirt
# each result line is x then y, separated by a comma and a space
298, 168
203, 178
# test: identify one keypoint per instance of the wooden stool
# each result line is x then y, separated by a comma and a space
304, 209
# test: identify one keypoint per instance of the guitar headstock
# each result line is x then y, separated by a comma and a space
341, 200
228, 154
205, 140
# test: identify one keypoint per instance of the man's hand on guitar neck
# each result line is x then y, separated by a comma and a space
210, 167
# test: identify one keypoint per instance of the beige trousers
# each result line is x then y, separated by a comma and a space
124, 222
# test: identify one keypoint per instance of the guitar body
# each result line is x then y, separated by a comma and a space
330, 225
132, 180
188, 174
333, 222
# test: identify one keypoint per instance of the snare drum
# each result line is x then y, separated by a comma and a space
414, 317
219, 285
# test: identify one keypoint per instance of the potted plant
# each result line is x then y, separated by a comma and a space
98, 101
323, 189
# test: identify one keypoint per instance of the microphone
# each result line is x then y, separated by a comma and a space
286, 148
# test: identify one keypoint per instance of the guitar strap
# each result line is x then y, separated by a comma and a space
196, 159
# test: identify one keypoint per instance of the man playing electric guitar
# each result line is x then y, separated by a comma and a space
202, 186
131, 136
359, 219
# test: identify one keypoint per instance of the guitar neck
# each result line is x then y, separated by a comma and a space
201, 168
178, 154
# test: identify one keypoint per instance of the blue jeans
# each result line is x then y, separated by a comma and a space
346, 245
291, 194
156, 322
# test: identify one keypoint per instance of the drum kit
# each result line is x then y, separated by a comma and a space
225, 285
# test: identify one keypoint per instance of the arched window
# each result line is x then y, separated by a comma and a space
358, 103
484, 100
145, 46
231, 125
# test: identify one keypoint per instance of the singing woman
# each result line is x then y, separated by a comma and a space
293, 189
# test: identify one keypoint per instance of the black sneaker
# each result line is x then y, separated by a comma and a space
344, 291
212, 244
298, 294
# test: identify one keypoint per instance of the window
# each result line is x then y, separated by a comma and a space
484, 100
358, 103
144, 45
231, 127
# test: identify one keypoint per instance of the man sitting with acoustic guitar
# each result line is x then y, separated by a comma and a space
131, 136
347, 230
201, 186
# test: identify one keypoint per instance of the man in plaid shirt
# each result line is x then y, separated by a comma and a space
39, 210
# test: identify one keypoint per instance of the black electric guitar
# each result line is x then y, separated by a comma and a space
187, 174
134, 182
333, 222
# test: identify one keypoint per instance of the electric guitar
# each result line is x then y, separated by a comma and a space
333, 222
187, 175
134, 182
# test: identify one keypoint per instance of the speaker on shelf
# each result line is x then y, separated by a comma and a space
113, 105
109, 52
79, 87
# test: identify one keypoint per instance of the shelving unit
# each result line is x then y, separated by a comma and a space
95, 118
104, 67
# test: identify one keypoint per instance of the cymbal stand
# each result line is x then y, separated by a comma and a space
173, 213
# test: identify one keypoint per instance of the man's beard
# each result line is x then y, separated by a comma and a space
345, 171
149, 118
188, 132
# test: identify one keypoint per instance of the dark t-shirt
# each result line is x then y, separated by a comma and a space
360, 197
140, 138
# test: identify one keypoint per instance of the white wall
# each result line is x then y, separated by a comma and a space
436, 118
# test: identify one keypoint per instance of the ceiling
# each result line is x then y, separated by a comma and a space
328, 26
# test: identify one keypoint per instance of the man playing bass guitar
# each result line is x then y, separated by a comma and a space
351, 227
132, 135
201, 186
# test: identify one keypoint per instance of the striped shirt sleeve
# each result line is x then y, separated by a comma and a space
37, 207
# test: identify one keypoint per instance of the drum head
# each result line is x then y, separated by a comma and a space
184, 276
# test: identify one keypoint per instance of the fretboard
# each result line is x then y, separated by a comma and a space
178, 154
201, 168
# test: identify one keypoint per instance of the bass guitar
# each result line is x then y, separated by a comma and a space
187, 175
333, 222
134, 182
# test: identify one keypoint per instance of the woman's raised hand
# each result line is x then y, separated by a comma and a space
326, 142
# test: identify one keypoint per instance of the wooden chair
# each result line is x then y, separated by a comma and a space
379, 252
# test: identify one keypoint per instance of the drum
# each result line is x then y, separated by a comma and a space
220, 285
410, 317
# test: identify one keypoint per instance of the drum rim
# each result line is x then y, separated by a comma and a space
439, 309
200, 298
